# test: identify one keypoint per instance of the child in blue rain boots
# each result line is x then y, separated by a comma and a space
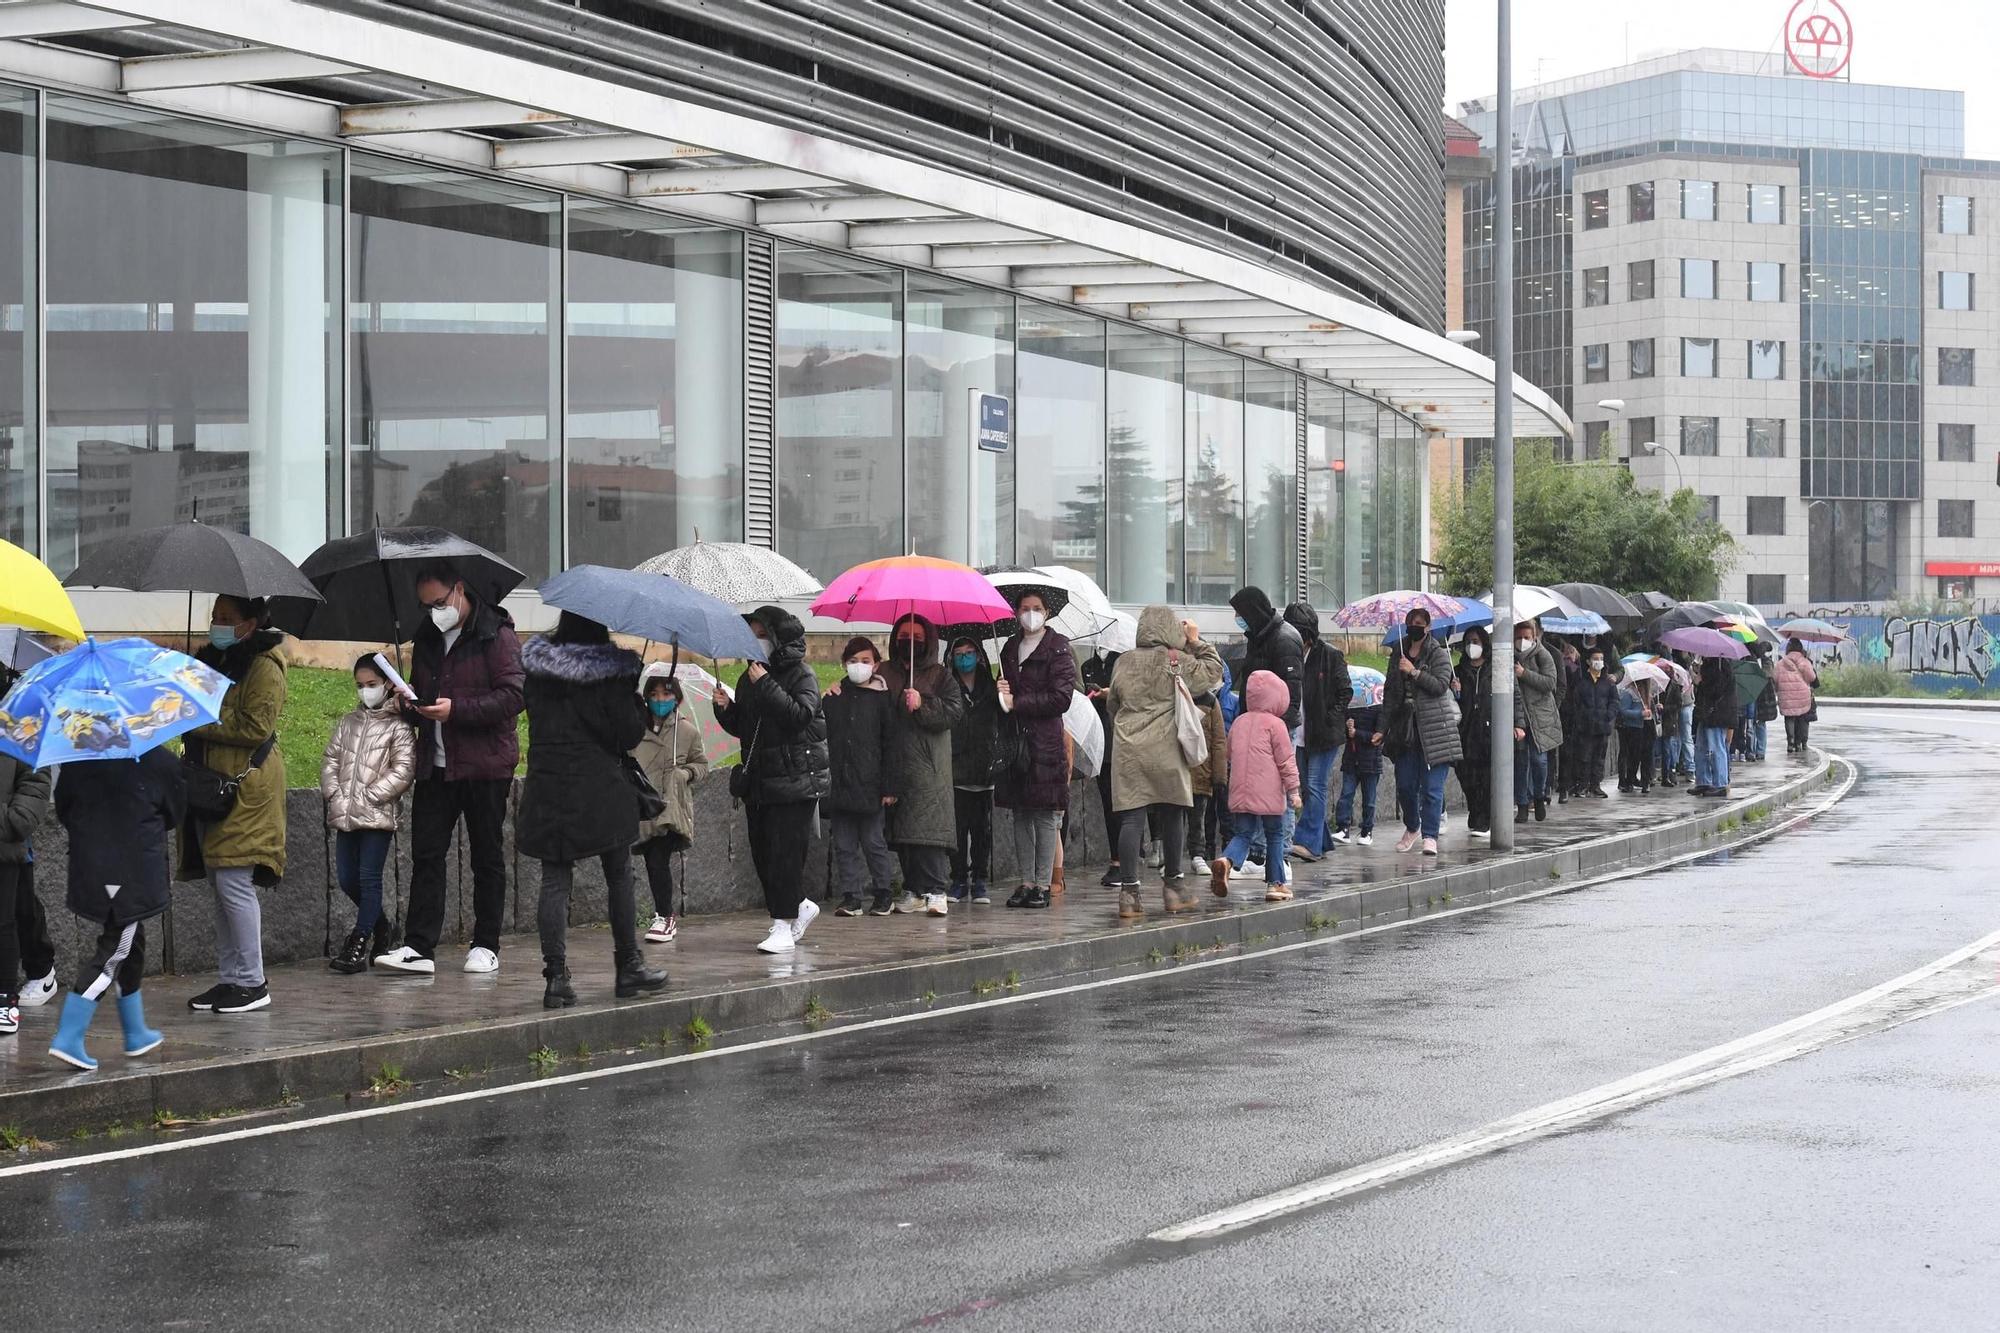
119, 814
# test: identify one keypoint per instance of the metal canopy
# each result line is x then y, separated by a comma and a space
378, 84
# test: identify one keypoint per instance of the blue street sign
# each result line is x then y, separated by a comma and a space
996, 423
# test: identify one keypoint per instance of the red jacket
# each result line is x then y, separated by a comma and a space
482, 677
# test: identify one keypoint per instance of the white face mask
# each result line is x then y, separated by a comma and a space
445, 618
1523, 645
373, 695
1032, 621
1474, 651
1597, 664
860, 672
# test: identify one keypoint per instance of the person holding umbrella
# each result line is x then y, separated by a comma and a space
785, 772
470, 686
242, 850
922, 822
584, 717
1716, 713
973, 741
24, 930
1037, 678
1472, 685
1420, 724
1538, 728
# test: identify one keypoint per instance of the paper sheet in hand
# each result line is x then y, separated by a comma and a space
395, 679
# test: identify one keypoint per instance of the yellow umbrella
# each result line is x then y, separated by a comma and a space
31, 596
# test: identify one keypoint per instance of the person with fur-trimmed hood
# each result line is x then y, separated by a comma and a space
584, 717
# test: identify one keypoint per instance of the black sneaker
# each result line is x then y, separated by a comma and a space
242, 999
884, 905
1541, 810
850, 905
1036, 898
980, 897
1019, 897
207, 1000
1111, 880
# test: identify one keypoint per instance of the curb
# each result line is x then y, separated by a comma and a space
1949, 705
332, 1070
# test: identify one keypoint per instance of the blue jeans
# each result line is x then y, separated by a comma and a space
1272, 827
1315, 777
1253, 831
1365, 783
357, 865
1531, 773
1421, 786
1711, 762
1759, 737
1687, 736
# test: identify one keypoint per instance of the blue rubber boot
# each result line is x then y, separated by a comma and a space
132, 1015
68, 1045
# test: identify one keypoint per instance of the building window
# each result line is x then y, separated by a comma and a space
1954, 442
1270, 488
1764, 516
1214, 464
1639, 201
1698, 279
1954, 215
1767, 281
1698, 358
1764, 437
1640, 356
1955, 367
1143, 455
1711, 508
1596, 209
1767, 359
1698, 201
1639, 280
1058, 510
1597, 287
1954, 291
20, 453
1596, 362
1698, 437
1644, 432
1954, 518
1767, 203
1595, 435
1764, 589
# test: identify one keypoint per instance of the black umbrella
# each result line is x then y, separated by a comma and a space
1607, 602
370, 581
1654, 602
1683, 615
194, 557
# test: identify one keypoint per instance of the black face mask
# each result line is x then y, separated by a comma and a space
1415, 633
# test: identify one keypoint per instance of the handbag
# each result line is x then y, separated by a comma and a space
1013, 751
212, 795
1188, 728
651, 804
739, 776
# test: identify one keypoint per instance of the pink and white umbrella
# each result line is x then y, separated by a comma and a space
882, 592
1388, 608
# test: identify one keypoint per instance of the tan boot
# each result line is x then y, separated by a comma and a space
1128, 903
1218, 877
1175, 898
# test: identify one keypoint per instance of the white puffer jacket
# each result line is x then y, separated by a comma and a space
371, 759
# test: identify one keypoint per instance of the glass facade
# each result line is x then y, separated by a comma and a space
1543, 303
1851, 549
298, 339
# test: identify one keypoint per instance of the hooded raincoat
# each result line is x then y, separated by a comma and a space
1141, 703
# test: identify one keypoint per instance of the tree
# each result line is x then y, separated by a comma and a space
1585, 523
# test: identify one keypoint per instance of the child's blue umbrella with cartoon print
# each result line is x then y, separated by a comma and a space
112, 700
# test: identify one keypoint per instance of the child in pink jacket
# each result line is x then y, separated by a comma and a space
1263, 780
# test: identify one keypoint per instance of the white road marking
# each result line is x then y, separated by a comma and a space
1811, 808
1960, 977
1953, 718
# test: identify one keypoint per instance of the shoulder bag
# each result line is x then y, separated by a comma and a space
1188, 728
212, 795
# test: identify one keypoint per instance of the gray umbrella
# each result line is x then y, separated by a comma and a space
735, 572
655, 606
1607, 602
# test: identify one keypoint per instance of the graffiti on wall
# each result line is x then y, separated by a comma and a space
1936, 652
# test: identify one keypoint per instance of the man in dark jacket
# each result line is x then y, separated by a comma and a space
1596, 695
469, 683
1325, 694
1273, 645
1715, 716
24, 930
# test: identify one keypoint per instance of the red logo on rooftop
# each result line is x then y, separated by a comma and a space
1819, 38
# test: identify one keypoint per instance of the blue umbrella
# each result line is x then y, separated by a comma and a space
1474, 615
112, 700
654, 606
1587, 623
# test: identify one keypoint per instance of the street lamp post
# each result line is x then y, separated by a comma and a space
1501, 820
1659, 450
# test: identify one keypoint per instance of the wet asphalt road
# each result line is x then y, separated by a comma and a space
1001, 1168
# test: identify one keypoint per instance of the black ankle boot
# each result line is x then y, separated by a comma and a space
634, 976
559, 994
1541, 810
385, 938
353, 955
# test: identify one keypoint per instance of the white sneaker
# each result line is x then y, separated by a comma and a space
808, 910
909, 904
1366, 840
1248, 870
780, 940
935, 904
481, 960
405, 959
39, 991
1340, 836
663, 929
10, 1020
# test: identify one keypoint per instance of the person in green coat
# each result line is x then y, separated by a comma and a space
923, 823
245, 849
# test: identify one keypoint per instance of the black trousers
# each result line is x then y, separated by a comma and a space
1635, 755
24, 929
1201, 829
120, 955
972, 851
659, 858
924, 868
435, 810
778, 837
552, 914
1796, 730
1476, 777
1171, 823
1589, 764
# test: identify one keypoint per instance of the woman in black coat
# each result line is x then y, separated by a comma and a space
118, 814
1473, 683
1037, 681
584, 717
775, 712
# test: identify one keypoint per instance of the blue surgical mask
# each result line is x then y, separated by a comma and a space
222, 636
662, 707
965, 661
1242, 624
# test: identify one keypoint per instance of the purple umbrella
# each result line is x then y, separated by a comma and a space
1388, 608
1704, 642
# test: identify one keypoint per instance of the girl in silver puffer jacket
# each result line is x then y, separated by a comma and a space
371, 759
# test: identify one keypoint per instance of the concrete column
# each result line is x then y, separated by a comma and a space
708, 389
291, 300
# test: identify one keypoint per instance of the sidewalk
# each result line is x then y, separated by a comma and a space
327, 1034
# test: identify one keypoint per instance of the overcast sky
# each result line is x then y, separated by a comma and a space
1919, 43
